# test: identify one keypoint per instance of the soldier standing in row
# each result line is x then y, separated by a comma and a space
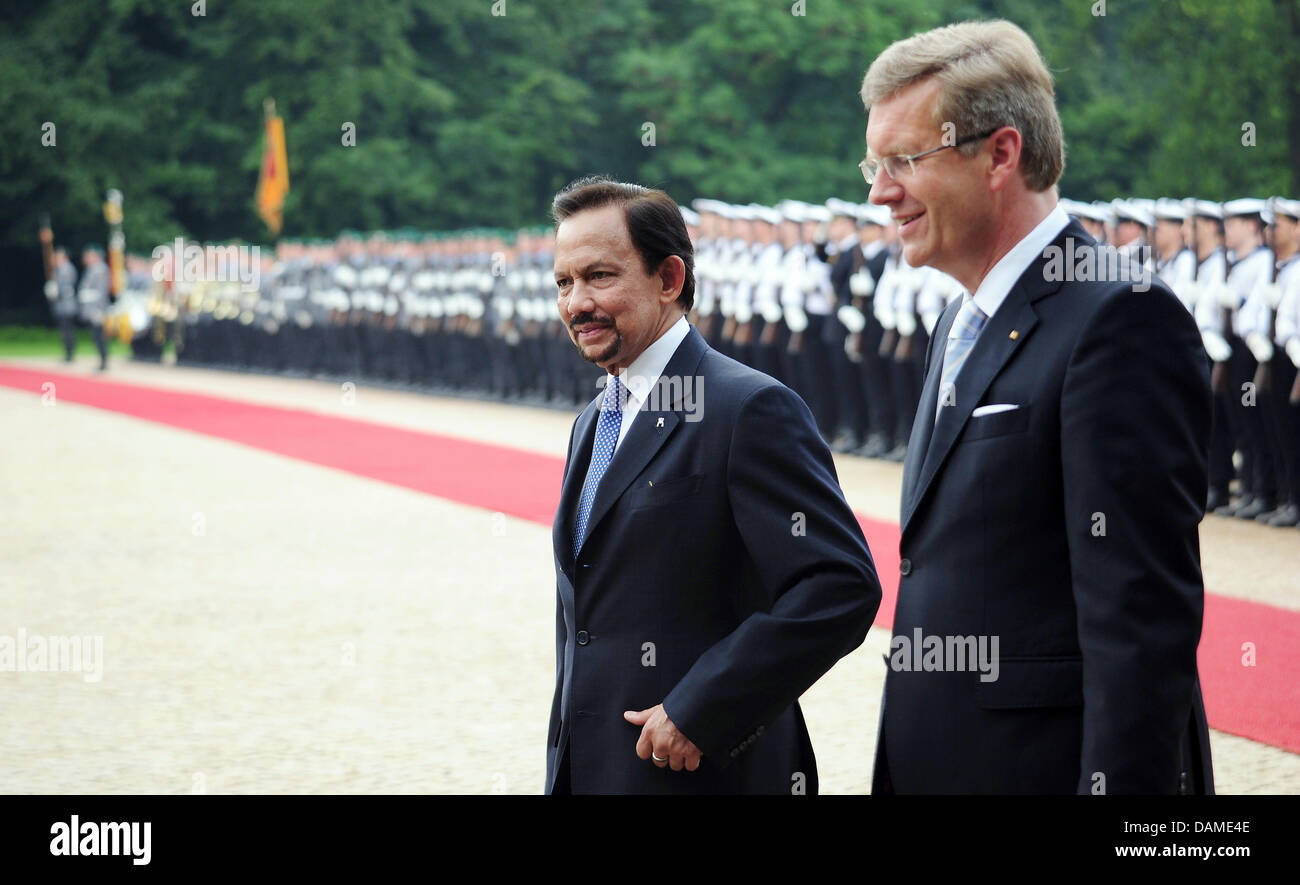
62, 293
1246, 317
93, 298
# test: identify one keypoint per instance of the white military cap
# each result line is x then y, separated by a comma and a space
765, 213
1170, 210
1244, 207
1133, 210
1207, 209
793, 210
1091, 211
689, 216
841, 208
817, 213
1283, 206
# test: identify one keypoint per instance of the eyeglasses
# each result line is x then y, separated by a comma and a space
893, 164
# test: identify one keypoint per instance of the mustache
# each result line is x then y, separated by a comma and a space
585, 318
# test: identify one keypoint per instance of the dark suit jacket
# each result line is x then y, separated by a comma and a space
741, 574
1067, 528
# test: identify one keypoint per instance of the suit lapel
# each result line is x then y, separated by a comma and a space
649, 431
584, 434
923, 424
1001, 337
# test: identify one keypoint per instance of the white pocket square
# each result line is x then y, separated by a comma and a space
993, 410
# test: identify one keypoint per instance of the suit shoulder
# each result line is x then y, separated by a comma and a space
733, 380
1143, 295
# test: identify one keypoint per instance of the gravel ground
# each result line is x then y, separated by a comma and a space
270, 626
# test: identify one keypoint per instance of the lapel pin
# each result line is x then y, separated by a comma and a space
661, 423
652, 482
1015, 333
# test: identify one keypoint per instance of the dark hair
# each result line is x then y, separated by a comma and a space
654, 223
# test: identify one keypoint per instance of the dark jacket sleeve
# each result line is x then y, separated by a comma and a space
1135, 425
810, 555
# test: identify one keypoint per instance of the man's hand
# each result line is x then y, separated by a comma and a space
662, 739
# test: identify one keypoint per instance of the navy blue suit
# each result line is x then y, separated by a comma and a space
1068, 528
722, 574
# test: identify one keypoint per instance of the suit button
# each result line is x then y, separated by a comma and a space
583, 637
905, 567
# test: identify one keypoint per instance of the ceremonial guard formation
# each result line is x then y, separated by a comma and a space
816, 296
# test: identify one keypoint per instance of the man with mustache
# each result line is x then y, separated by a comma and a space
708, 568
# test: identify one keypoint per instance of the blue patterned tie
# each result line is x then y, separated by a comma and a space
961, 338
602, 452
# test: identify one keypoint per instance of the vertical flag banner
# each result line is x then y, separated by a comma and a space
273, 183
116, 242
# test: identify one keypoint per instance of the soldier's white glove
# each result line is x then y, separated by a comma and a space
743, 312
51, 290
851, 318
1293, 351
884, 312
906, 323
929, 318
795, 318
861, 283
1215, 345
1273, 294
1260, 347
1226, 297
771, 312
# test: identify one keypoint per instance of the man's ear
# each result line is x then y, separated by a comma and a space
1004, 147
672, 278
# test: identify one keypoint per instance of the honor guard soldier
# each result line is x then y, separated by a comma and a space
62, 294
93, 299
1247, 317
1134, 220
1286, 379
844, 256
1175, 261
864, 343
1275, 378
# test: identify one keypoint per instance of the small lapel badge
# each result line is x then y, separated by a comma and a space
652, 482
1015, 333
661, 423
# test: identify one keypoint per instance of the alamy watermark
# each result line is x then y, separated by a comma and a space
179, 261
669, 393
1087, 263
945, 654
34, 653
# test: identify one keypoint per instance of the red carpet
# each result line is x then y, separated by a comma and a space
1261, 702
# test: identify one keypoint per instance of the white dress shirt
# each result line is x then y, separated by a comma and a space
1011, 267
643, 374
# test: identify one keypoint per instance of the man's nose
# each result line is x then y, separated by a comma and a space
884, 189
579, 302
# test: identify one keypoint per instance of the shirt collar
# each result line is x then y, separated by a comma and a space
1011, 267
642, 375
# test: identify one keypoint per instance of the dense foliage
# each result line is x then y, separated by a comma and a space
465, 117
